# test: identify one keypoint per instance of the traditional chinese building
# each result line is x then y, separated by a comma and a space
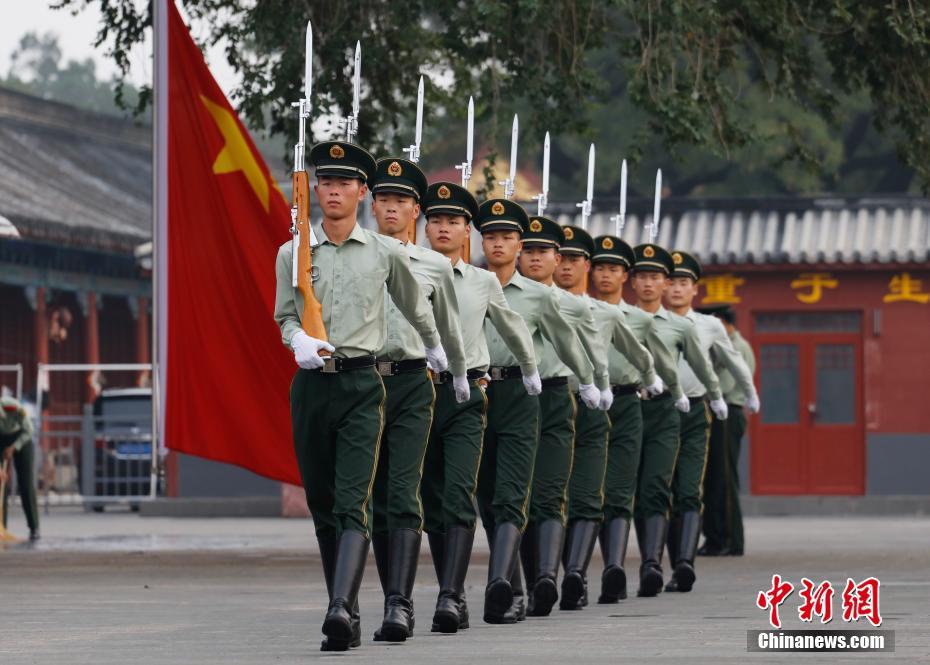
834, 296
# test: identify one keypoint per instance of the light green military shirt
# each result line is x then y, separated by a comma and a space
350, 288
644, 328
716, 344
577, 311
434, 274
681, 337
481, 298
539, 306
629, 362
734, 392
15, 424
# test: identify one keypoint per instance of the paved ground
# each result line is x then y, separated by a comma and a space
117, 588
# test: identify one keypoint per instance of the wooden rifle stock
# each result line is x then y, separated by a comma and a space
311, 319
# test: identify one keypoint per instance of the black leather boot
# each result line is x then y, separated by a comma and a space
451, 612
673, 545
328, 546
379, 545
615, 535
436, 540
349, 566
404, 548
583, 535
498, 595
528, 563
550, 536
652, 542
683, 576
517, 611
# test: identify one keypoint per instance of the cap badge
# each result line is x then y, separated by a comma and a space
607, 243
497, 208
337, 152
569, 234
649, 252
444, 192
394, 169
676, 257
535, 226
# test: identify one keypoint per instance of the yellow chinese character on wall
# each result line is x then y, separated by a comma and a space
816, 282
904, 288
722, 288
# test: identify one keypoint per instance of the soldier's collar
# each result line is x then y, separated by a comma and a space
516, 280
358, 234
662, 313
459, 266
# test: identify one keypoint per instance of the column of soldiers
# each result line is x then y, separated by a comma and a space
446, 392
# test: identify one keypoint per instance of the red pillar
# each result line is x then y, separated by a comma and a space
92, 345
41, 327
143, 347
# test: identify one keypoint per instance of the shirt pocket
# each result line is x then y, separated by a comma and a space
366, 286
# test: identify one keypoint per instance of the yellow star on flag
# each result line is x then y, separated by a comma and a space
236, 154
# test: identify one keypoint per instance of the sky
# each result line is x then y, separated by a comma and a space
76, 36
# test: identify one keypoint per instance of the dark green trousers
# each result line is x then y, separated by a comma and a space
723, 518
337, 421
508, 454
657, 460
688, 481
450, 474
586, 485
24, 465
623, 454
553, 466
408, 413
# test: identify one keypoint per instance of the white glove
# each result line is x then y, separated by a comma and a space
656, 388
307, 350
753, 403
607, 399
590, 395
462, 391
532, 383
436, 359
683, 404
719, 407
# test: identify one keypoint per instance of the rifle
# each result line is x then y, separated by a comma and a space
510, 183
620, 220
311, 319
589, 192
465, 167
413, 152
542, 199
654, 227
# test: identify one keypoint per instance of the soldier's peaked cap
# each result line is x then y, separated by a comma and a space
346, 160
501, 215
611, 249
399, 176
577, 241
652, 258
685, 265
543, 232
450, 199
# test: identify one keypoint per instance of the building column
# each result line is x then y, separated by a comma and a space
91, 345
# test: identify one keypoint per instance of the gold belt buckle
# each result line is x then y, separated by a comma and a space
385, 368
496, 374
329, 365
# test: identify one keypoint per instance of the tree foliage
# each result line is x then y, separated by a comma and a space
790, 85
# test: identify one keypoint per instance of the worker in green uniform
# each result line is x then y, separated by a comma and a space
542, 544
661, 425
612, 259
723, 519
687, 483
17, 451
450, 475
397, 188
587, 483
337, 401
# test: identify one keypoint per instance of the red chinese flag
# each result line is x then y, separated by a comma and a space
225, 372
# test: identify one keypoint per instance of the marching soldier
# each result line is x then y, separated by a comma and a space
337, 401
397, 187
723, 519
685, 524
612, 259
452, 458
542, 544
18, 451
661, 425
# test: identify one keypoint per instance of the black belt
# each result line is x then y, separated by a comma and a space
392, 367
555, 381
500, 373
697, 400
626, 389
446, 377
333, 365
665, 394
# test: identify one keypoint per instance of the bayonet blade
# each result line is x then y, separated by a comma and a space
514, 138
419, 133
308, 62
623, 188
545, 182
654, 232
357, 79
590, 191
470, 146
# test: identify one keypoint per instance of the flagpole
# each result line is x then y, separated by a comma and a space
159, 227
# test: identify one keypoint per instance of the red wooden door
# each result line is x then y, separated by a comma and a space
809, 438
